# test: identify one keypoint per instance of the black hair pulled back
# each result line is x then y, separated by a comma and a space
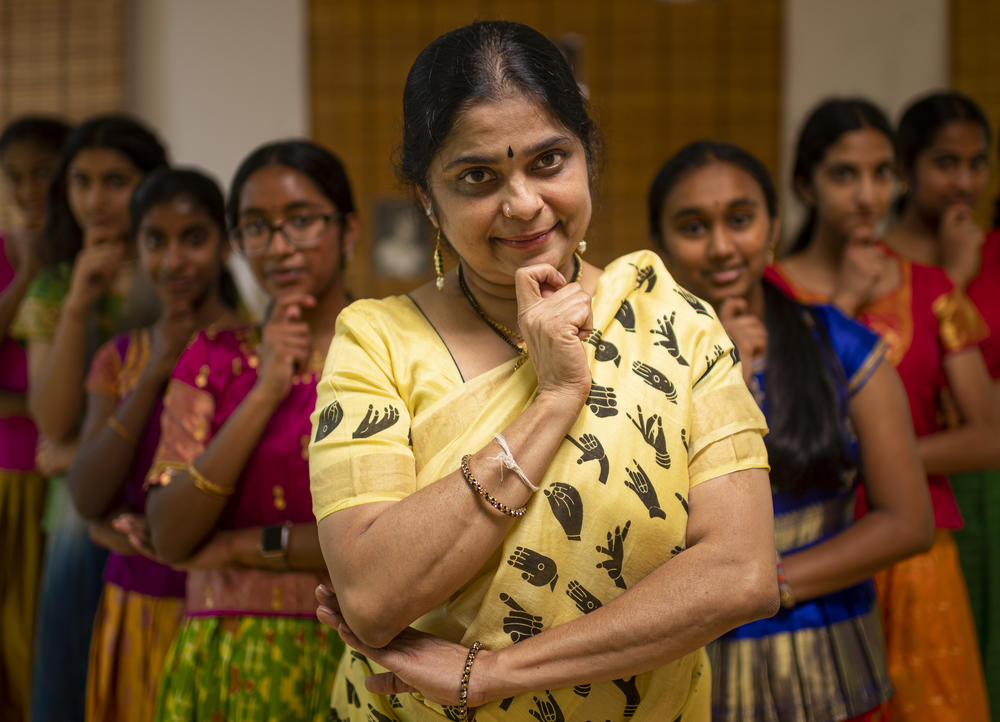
823, 127
314, 161
484, 61
925, 117
40, 130
167, 184
116, 132
697, 155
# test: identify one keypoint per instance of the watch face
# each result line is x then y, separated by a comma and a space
270, 539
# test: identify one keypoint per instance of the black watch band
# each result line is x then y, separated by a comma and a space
274, 541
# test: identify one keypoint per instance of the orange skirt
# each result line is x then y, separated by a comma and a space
132, 635
930, 637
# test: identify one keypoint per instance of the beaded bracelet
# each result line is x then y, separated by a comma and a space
490, 499
119, 428
785, 595
208, 487
463, 695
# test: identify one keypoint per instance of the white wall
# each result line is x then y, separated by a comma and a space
885, 50
217, 78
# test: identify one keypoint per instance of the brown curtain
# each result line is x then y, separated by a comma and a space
975, 70
659, 74
64, 57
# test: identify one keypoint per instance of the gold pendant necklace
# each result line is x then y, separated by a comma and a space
511, 337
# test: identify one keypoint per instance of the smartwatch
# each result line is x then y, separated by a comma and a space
274, 542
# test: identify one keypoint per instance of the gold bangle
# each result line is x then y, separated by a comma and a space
209, 487
463, 695
123, 433
490, 499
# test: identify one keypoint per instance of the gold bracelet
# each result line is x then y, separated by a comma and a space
119, 428
490, 499
209, 487
463, 695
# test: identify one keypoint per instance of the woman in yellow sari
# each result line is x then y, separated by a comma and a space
554, 473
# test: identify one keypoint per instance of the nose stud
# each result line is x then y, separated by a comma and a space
506, 211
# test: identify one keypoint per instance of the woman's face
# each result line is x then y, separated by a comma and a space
716, 231
277, 194
852, 187
99, 184
29, 168
181, 251
953, 169
509, 154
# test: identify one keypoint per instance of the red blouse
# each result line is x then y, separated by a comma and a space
984, 292
923, 320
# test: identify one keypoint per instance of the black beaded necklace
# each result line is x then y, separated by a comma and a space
511, 337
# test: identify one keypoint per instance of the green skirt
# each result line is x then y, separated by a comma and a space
266, 669
978, 494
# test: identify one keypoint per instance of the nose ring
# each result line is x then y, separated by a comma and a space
506, 211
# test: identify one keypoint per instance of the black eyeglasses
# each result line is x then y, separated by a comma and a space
302, 231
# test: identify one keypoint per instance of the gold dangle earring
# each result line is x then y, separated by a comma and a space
581, 247
438, 263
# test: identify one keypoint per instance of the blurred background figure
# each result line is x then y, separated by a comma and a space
944, 157
29, 155
844, 172
178, 226
86, 291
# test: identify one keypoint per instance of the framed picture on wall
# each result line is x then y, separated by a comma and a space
402, 242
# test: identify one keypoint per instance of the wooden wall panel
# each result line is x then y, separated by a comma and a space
975, 70
63, 57
659, 74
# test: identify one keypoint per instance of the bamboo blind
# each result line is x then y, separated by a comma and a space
61, 57
659, 75
975, 62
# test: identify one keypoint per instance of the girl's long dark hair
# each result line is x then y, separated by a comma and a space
166, 184
824, 126
807, 445
120, 133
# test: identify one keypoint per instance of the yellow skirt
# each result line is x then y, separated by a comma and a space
132, 635
931, 646
22, 502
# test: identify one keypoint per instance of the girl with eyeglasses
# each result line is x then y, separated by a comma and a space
229, 485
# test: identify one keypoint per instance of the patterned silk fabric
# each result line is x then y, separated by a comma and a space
930, 638
823, 659
667, 410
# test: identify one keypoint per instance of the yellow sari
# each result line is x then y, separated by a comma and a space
668, 409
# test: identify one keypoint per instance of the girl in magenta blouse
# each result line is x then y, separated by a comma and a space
229, 488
